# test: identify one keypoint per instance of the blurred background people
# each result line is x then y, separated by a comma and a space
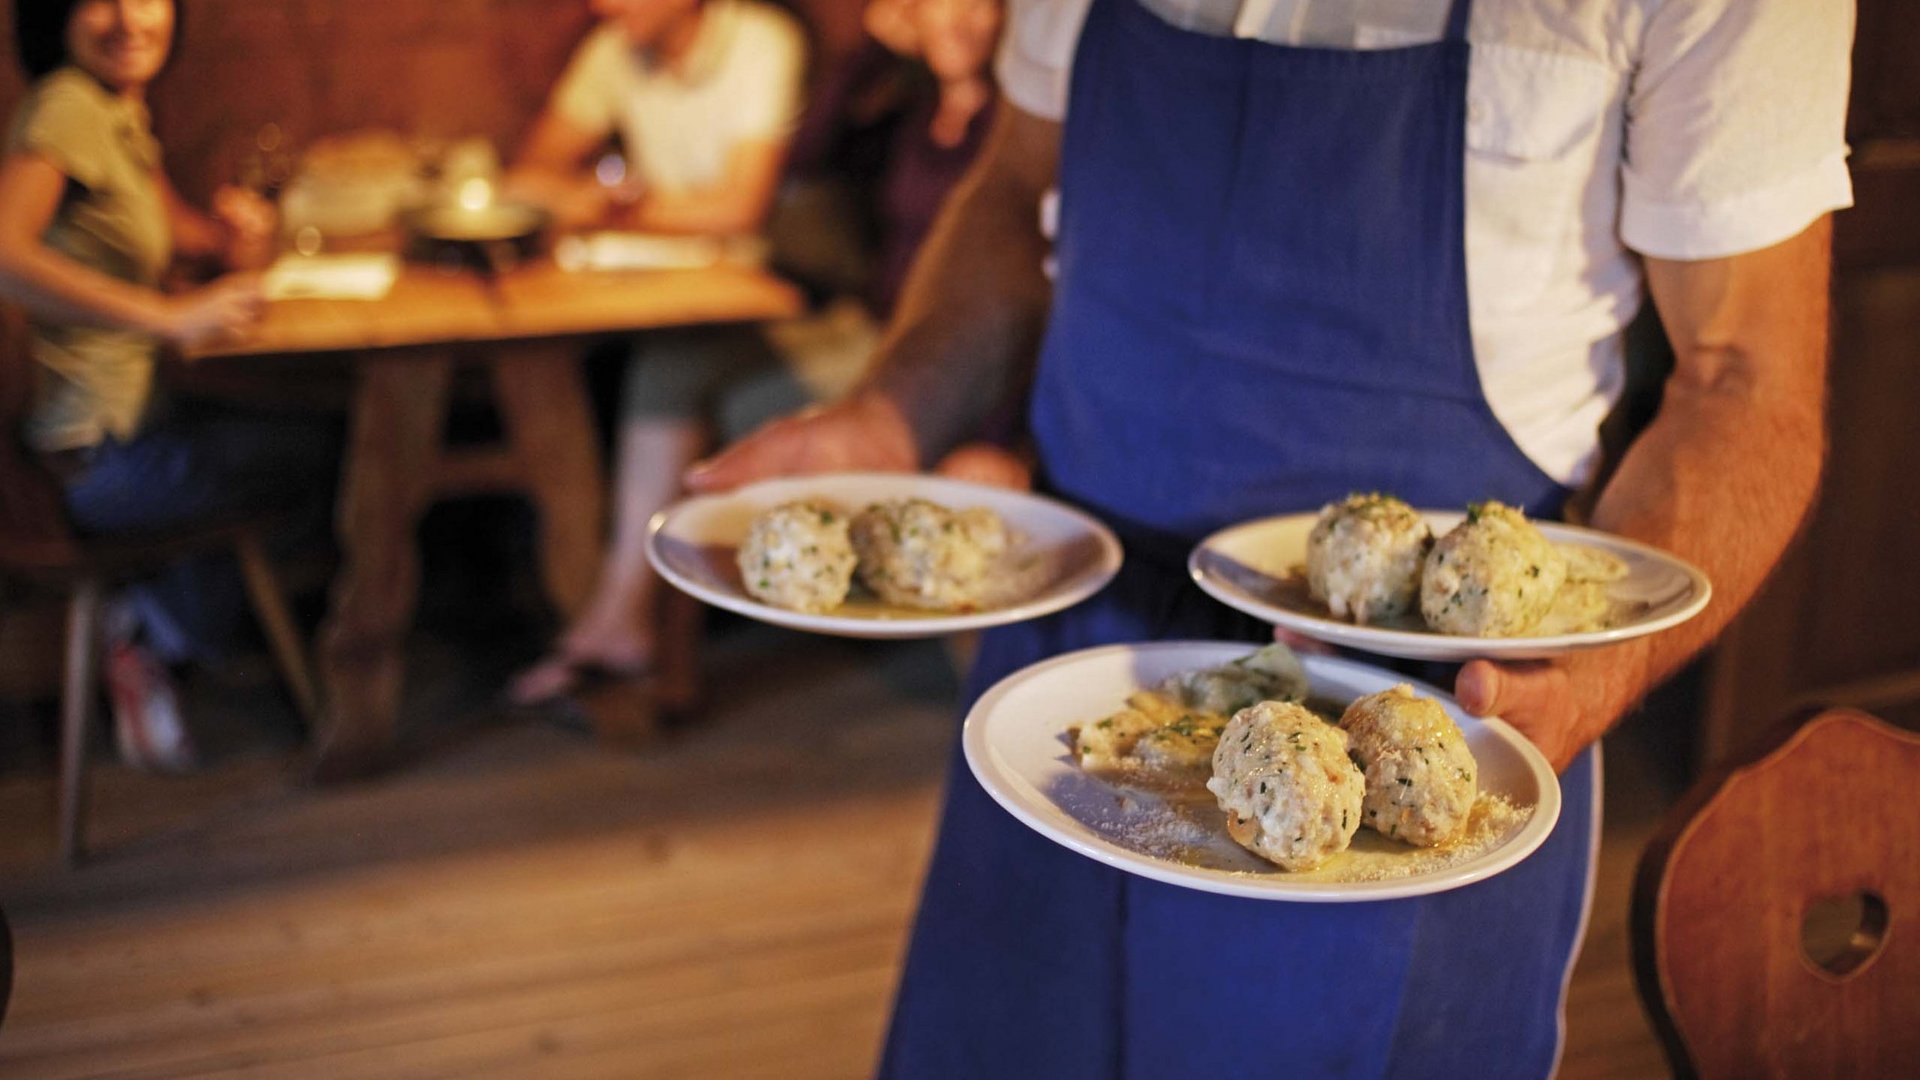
892, 126
942, 114
89, 226
703, 96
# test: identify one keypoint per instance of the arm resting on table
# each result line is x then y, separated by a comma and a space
549, 170
736, 206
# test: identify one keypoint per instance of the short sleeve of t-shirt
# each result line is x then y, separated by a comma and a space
1036, 54
1736, 125
588, 95
1735, 118
67, 126
766, 68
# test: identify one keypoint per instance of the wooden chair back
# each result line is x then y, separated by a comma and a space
1776, 916
34, 531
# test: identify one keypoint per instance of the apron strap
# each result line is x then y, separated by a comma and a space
1457, 20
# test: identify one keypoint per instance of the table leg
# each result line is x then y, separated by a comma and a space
397, 422
543, 405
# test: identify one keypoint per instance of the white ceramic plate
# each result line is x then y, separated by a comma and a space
1016, 743
1257, 568
1059, 555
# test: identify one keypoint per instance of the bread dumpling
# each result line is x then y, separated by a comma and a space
1421, 778
1492, 575
920, 554
798, 556
1289, 791
1364, 557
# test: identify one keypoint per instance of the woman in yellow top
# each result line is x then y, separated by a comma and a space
88, 227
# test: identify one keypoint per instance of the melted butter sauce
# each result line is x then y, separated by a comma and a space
1168, 814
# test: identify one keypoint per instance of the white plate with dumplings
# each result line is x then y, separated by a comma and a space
1054, 557
1018, 743
1629, 590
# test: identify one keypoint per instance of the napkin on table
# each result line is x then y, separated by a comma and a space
640, 251
331, 277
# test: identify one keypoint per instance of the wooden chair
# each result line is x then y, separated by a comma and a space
38, 544
1776, 915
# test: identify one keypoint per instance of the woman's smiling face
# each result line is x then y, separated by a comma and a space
123, 43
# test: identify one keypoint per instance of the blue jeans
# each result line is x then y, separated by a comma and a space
199, 462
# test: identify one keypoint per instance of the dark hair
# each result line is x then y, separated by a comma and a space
40, 32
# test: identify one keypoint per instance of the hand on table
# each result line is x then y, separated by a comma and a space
1562, 704
250, 221
578, 203
216, 312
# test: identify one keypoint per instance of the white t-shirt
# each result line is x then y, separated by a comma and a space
740, 82
1680, 129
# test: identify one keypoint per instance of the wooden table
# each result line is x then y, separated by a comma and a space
528, 328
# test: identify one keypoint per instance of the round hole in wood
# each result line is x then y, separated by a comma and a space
1840, 934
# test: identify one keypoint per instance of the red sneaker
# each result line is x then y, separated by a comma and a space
147, 724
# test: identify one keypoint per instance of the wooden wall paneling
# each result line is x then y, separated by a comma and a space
433, 69
1883, 125
1865, 554
1886, 82
13, 81
1839, 622
439, 69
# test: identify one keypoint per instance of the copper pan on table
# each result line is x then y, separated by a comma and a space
491, 238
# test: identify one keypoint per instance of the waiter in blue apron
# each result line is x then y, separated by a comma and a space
1303, 248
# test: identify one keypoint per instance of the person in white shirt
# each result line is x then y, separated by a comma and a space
1304, 248
703, 97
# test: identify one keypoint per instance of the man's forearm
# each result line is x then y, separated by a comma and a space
1728, 469
970, 319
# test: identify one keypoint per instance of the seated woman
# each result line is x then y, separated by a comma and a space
939, 94
901, 121
88, 227
703, 96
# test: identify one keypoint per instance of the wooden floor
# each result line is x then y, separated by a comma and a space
518, 903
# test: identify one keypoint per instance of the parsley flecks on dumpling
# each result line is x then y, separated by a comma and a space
920, 554
1421, 775
1289, 791
1492, 575
1364, 557
798, 556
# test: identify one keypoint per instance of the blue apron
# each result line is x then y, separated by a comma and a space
1261, 306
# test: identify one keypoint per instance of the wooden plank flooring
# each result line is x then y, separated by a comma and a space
732, 903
